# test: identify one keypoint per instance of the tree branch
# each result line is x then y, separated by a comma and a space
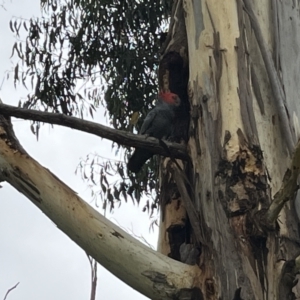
154, 275
288, 189
94, 278
15, 286
273, 77
121, 137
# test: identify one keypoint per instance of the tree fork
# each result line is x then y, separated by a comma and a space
154, 274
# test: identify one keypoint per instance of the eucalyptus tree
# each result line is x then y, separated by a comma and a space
227, 186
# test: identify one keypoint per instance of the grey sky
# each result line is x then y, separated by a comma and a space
33, 251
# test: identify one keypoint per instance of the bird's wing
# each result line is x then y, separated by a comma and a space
148, 121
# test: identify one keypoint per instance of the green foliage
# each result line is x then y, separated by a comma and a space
98, 174
84, 52
86, 41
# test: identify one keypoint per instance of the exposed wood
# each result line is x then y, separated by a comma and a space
214, 82
199, 231
173, 76
174, 229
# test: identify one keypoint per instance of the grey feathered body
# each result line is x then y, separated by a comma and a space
158, 123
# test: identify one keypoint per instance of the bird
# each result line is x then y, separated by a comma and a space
158, 123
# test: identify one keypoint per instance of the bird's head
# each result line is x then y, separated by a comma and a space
169, 98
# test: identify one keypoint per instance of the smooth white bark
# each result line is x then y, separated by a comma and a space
145, 270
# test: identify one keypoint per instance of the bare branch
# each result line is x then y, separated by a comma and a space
288, 189
10, 290
273, 77
94, 278
121, 137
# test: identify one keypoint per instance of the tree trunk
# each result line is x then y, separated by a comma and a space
244, 140
243, 88
235, 67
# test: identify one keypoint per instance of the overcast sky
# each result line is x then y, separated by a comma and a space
33, 251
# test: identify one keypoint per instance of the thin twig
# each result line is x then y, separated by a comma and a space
94, 278
10, 290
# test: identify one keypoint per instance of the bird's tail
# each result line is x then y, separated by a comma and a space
137, 160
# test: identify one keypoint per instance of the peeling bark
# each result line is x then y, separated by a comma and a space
228, 212
175, 228
238, 111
